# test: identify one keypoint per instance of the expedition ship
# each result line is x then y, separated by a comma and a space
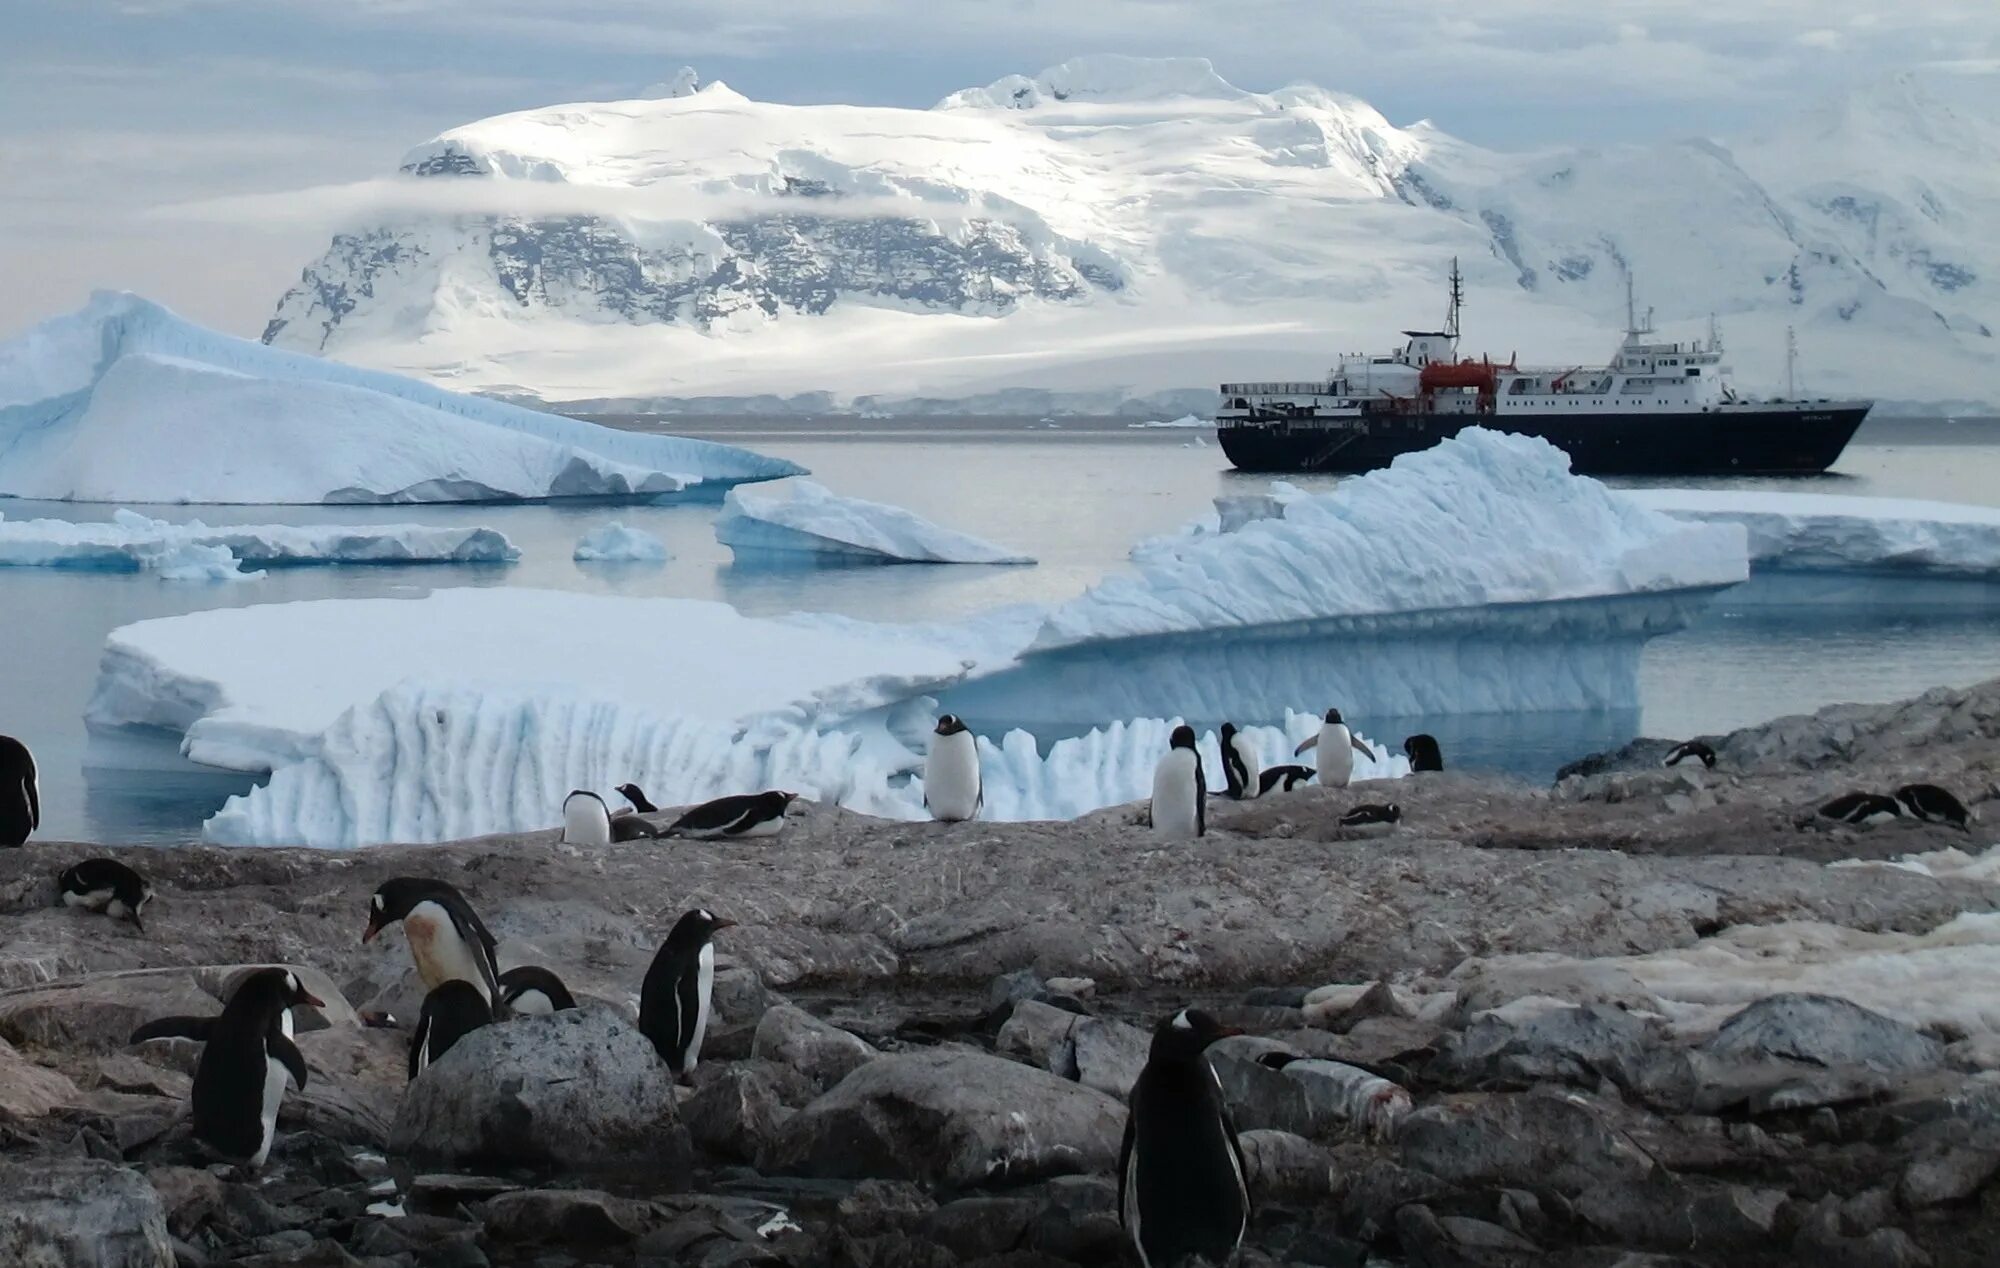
1656, 409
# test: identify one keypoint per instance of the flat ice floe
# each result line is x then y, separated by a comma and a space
130, 542
616, 544
816, 525
1824, 532
124, 402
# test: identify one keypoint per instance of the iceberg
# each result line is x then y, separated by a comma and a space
124, 402
615, 543
816, 525
1822, 532
130, 542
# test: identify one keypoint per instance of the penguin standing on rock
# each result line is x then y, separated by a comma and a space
1183, 1196
953, 791
1242, 771
1337, 746
20, 793
1180, 790
531, 989
447, 938
1423, 752
587, 822
451, 1012
108, 886
240, 1082
674, 999
748, 815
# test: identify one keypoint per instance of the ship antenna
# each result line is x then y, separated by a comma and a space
1631, 312
1457, 301
1791, 364
1714, 335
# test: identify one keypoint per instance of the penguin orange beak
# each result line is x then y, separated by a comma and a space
374, 927
307, 997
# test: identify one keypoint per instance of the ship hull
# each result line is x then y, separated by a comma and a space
1702, 443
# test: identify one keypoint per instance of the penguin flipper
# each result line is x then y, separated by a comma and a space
288, 1052
1311, 741
1359, 747
1125, 1166
195, 1028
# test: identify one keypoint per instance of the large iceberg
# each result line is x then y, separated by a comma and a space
816, 525
1824, 532
130, 542
124, 402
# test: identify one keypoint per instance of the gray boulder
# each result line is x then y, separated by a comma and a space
1288, 1169
60, 1212
1040, 1034
1581, 1045
1537, 1140
1825, 1031
28, 1090
824, 1053
575, 1088
1109, 1054
951, 1116
736, 1110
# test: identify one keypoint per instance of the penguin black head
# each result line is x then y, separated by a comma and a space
275, 989
1227, 733
1332, 715
949, 724
1183, 737
695, 928
779, 801
395, 898
1187, 1034
637, 796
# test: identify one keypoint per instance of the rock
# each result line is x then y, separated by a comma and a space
1581, 1045
737, 1002
823, 1053
357, 1078
1824, 1031
100, 1012
28, 1090
1457, 1241
577, 1088
1258, 1096
122, 1072
1076, 1220
1012, 988
1074, 987
973, 1228
1109, 1054
1822, 1241
1663, 1210
735, 1112
1947, 1174
566, 1217
1042, 1035
190, 1197
1539, 1140
952, 1116
1288, 1169
59, 1212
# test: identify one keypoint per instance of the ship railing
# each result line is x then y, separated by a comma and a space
1321, 388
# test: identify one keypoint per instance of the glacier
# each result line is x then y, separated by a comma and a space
1114, 228
1825, 532
130, 542
816, 525
615, 543
124, 402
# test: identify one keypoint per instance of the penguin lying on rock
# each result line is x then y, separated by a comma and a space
1861, 809
530, 989
1933, 804
451, 1012
107, 886
746, 815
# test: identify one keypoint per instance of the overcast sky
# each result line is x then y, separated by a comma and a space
110, 109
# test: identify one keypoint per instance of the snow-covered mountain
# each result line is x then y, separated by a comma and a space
1119, 225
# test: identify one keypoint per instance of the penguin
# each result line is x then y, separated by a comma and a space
107, 886
451, 1012
953, 791
1241, 770
1372, 818
447, 938
531, 989
1861, 808
1423, 752
1691, 748
1282, 778
747, 815
637, 796
240, 1081
1337, 747
675, 997
588, 822
1180, 790
1935, 805
20, 793
1183, 1194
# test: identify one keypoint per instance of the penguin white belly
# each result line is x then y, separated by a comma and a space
951, 777
704, 991
532, 1004
94, 900
1253, 770
441, 955
275, 1078
1335, 756
762, 828
586, 822
1175, 799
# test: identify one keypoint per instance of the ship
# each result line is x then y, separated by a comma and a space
1657, 409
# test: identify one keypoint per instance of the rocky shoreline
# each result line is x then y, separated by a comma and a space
1635, 1019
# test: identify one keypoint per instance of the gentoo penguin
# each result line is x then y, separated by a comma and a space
1372, 818
747, 815
1423, 752
1283, 778
451, 1012
1691, 748
1935, 805
20, 793
1182, 1193
1180, 790
674, 998
447, 938
108, 886
531, 989
199, 1028
241, 1079
1337, 747
588, 822
1242, 771
1860, 808
953, 792
637, 796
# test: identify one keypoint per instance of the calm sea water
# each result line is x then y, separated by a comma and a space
1076, 496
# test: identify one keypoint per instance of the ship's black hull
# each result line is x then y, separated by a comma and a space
1709, 443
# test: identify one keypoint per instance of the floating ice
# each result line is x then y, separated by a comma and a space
1822, 532
124, 402
615, 543
817, 524
130, 542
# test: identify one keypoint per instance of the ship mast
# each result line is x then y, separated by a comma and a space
1457, 302
1791, 364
